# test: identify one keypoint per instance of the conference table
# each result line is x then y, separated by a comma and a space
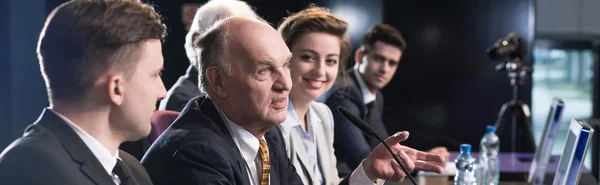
514, 169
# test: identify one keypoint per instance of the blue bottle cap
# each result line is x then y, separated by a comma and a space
490, 129
465, 148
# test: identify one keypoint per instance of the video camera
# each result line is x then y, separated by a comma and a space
510, 50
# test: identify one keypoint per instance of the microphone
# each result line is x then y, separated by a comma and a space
369, 131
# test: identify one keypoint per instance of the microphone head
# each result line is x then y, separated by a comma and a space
357, 121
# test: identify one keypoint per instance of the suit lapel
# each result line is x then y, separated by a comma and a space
361, 98
95, 172
203, 106
322, 150
79, 152
301, 153
131, 180
355, 78
128, 166
297, 143
272, 142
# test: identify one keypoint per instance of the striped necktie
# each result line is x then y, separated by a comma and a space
266, 165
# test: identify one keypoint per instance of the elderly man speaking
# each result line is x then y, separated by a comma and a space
230, 136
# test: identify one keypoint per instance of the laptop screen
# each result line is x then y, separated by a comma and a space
571, 161
541, 158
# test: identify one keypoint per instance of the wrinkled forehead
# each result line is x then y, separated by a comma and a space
256, 47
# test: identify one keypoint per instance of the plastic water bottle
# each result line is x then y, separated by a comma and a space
490, 147
465, 167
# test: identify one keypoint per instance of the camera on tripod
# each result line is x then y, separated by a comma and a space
514, 121
510, 50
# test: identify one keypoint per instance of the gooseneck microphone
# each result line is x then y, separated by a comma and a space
369, 131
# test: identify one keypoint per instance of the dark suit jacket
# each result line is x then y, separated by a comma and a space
350, 143
51, 153
199, 149
182, 91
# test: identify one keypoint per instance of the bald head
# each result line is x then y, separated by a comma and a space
251, 37
240, 35
245, 62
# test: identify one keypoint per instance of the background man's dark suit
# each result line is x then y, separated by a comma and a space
198, 148
51, 153
350, 143
182, 91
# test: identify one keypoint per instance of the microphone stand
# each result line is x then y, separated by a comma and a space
368, 130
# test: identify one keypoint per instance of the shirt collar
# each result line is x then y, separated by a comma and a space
368, 96
310, 115
102, 153
244, 140
291, 114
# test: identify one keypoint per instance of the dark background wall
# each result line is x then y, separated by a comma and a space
5, 127
23, 93
176, 61
444, 91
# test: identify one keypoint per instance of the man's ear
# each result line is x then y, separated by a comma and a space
358, 56
214, 80
115, 89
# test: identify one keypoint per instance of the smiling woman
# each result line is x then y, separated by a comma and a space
320, 48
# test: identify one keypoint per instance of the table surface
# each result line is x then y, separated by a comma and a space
586, 179
509, 162
510, 165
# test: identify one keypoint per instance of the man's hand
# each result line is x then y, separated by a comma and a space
381, 165
440, 150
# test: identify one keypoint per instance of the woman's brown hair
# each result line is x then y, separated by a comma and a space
317, 19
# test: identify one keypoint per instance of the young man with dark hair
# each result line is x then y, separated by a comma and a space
376, 63
101, 60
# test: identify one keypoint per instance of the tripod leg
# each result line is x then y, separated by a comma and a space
514, 128
525, 132
499, 125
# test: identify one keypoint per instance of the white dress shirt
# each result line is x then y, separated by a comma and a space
368, 96
248, 145
358, 176
310, 146
102, 153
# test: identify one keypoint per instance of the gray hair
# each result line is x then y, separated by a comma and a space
211, 48
207, 15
